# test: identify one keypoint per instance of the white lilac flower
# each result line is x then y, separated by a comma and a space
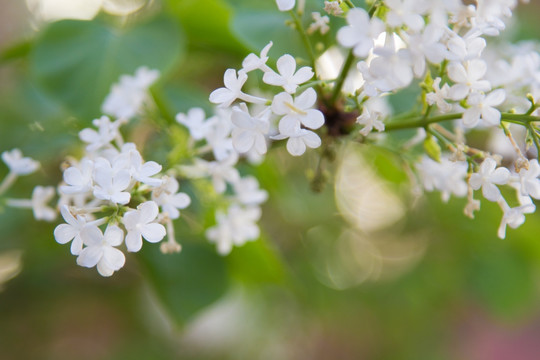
446, 176
391, 69
109, 184
18, 164
514, 217
169, 199
439, 96
250, 131
234, 228
360, 32
248, 192
142, 171
129, 95
107, 132
298, 139
465, 48
218, 136
253, 62
406, 12
287, 76
483, 107
297, 111
319, 23
530, 181
285, 5
221, 172
72, 230
78, 178
196, 122
140, 224
40, 198
468, 77
100, 250
426, 46
487, 177
225, 96
370, 120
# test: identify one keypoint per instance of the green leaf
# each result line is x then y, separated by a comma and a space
256, 263
256, 29
206, 23
78, 61
186, 282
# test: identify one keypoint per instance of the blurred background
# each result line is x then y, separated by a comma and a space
365, 269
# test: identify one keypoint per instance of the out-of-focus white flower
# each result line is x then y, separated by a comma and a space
140, 224
529, 178
406, 12
129, 95
319, 23
41, 196
487, 177
100, 250
287, 76
514, 217
360, 32
446, 176
439, 96
370, 120
196, 122
107, 132
169, 199
285, 5
247, 191
18, 164
426, 46
333, 8
234, 228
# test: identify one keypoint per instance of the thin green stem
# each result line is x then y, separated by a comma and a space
349, 4
420, 121
305, 40
162, 106
534, 135
342, 76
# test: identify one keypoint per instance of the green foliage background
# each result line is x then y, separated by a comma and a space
467, 292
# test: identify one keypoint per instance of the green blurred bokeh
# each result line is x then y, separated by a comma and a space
336, 274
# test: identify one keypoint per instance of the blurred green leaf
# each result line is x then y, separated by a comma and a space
256, 263
78, 61
256, 29
17, 51
186, 282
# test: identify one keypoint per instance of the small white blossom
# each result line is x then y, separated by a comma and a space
111, 185
468, 77
72, 230
140, 224
297, 111
426, 46
439, 96
483, 107
100, 250
40, 198
169, 199
106, 133
18, 164
319, 23
249, 132
333, 8
78, 178
360, 32
299, 139
196, 122
487, 177
370, 120
406, 12
225, 96
530, 181
287, 76
514, 217
253, 62
391, 69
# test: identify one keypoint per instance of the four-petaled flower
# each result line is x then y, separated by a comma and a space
487, 177
100, 250
288, 77
140, 224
